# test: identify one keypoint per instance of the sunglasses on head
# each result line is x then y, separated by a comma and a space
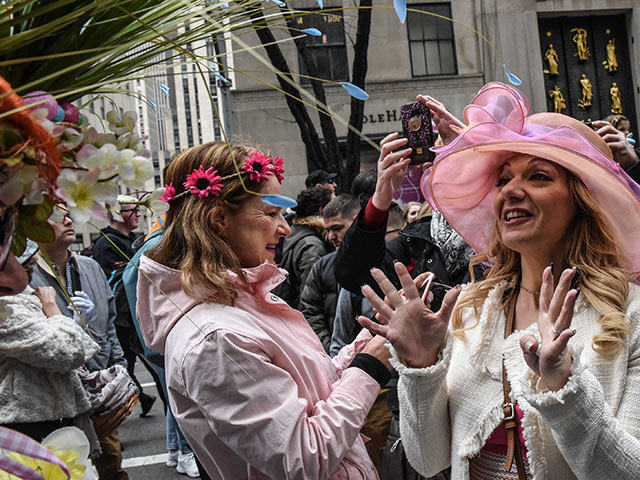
8, 220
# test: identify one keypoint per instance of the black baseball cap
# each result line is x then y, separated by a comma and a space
319, 176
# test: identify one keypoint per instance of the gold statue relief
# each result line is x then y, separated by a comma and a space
551, 56
580, 39
559, 103
616, 99
611, 63
587, 92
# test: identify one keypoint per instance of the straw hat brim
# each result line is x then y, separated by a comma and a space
465, 193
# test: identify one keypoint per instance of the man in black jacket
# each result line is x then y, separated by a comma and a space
305, 245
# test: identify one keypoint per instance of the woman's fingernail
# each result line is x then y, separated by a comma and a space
573, 332
362, 286
528, 345
578, 290
551, 265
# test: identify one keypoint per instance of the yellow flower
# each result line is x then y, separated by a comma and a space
70, 459
46, 469
71, 446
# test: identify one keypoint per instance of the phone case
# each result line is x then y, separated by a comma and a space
416, 126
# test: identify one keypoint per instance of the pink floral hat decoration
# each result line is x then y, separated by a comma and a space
461, 184
203, 182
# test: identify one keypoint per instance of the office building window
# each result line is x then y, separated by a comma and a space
431, 42
328, 51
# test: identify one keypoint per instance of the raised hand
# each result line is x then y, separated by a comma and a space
415, 332
553, 360
392, 168
448, 125
622, 150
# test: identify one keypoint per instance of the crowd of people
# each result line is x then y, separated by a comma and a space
490, 332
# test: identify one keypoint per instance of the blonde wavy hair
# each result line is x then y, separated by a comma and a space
591, 248
193, 241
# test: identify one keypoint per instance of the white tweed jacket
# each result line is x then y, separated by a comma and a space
590, 429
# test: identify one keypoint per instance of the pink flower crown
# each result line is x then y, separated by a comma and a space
203, 182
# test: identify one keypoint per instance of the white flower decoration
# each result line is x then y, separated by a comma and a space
84, 195
121, 124
133, 169
23, 178
153, 203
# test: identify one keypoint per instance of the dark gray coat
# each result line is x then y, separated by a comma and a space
300, 251
95, 285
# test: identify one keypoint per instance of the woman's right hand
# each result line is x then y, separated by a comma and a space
377, 348
414, 331
392, 168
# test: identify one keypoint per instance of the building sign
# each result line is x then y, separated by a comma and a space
381, 117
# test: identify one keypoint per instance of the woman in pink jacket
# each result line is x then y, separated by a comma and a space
249, 382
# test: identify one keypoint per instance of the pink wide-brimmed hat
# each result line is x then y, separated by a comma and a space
461, 184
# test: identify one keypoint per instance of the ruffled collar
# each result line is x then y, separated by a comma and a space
261, 279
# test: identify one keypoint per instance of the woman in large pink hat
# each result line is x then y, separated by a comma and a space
532, 372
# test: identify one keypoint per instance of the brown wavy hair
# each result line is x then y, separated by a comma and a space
193, 241
591, 248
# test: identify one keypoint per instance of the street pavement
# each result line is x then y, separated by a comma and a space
143, 439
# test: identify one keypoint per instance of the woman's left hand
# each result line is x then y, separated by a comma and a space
554, 358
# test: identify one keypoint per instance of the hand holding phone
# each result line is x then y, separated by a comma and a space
417, 128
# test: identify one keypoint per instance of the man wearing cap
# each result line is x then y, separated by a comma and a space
321, 178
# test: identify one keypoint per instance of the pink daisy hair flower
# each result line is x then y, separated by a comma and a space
276, 166
257, 166
169, 193
203, 182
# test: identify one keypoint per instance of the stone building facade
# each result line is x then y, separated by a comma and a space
449, 61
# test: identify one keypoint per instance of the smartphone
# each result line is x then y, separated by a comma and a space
417, 127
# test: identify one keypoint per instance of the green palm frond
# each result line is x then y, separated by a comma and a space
72, 47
